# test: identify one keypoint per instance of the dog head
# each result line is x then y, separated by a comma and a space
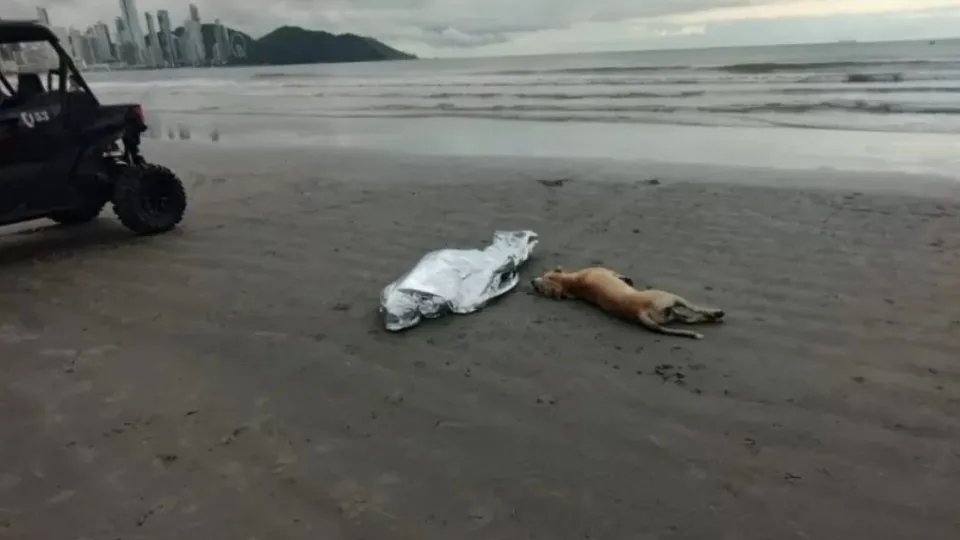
552, 284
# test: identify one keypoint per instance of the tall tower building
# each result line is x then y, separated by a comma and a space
75, 46
101, 42
188, 54
121, 32
194, 32
192, 42
84, 50
152, 47
126, 50
151, 28
43, 16
131, 17
63, 36
221, 42
170, 52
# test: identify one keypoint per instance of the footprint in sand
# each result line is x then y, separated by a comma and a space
63, 496
13, 335
59, 353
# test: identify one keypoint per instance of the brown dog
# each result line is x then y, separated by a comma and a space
614, 293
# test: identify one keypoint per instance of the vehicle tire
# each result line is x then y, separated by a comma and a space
80, 215
149, 199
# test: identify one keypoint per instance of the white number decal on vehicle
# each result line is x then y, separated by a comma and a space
32, 118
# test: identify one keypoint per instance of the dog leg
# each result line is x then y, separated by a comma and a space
689, 318
647, 321
707, 314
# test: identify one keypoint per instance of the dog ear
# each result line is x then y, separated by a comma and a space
558, 269
625, 279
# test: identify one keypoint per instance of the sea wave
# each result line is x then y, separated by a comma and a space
813, 90
894, 89
704, 79
555, 96
599, 70
798, 78
663, 116
743, 68
283, 75
618, 96
860, 106
780, 67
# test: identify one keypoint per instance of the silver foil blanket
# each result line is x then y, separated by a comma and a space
456, 280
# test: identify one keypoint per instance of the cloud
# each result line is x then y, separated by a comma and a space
809, 8
453, 37
437, 27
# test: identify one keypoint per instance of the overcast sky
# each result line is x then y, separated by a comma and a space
496, 27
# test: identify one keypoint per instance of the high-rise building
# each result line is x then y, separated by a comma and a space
221, 43
42, 16
128, 9
75, 46
184, 50
192, 43
194, 33
84, 53
63, 37
122, 36
126, 51
128, 54
101, 42
188, 55
153, 56
167, 39
151, 28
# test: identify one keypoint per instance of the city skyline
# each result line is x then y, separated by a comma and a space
506, 27
427, 28
127, 45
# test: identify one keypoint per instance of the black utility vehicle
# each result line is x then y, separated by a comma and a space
63, 154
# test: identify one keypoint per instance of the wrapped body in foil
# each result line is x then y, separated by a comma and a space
456, 280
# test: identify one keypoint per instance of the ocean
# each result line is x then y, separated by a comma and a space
853, 105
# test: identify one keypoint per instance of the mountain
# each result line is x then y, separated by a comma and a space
295, 45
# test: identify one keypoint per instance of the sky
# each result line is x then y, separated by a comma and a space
447, 28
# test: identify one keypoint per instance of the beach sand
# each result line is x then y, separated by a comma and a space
232, 379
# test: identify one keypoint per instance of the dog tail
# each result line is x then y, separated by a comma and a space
651, 324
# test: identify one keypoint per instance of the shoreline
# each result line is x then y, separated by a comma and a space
881, 154
360, 162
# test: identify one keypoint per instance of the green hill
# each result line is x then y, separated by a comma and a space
295, 45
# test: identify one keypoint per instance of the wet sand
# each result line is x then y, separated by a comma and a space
232, 379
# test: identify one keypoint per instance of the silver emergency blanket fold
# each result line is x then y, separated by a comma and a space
456, 280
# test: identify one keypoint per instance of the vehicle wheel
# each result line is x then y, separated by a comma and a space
149, 199
77, 216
